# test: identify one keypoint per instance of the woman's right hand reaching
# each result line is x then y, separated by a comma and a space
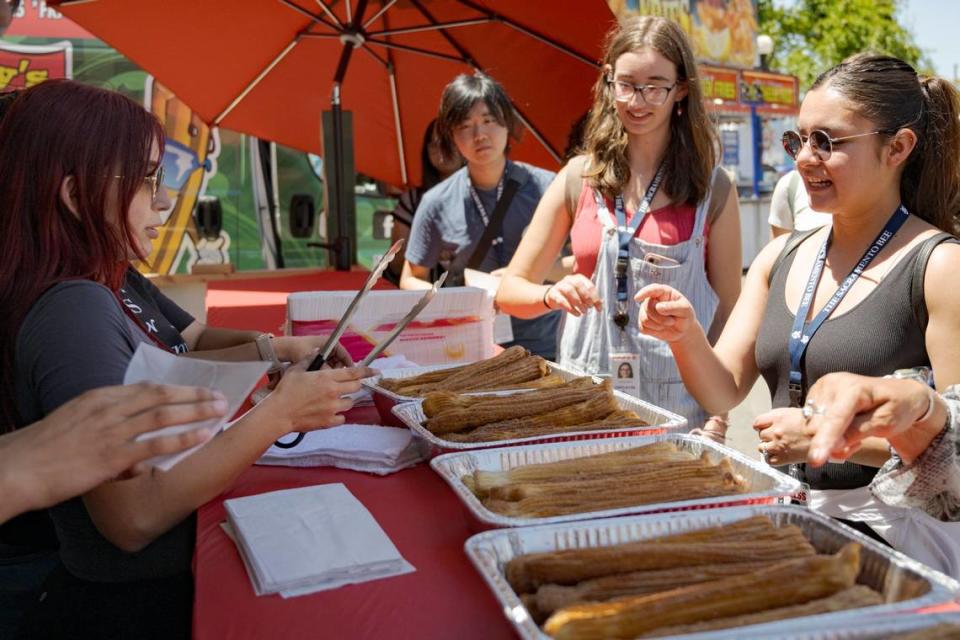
308, 400
574, 294
665, 313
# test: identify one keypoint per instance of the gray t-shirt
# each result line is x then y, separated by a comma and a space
448, 223
76, 338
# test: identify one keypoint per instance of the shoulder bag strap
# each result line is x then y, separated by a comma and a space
496, 222
795, 240
719, 192
919, 271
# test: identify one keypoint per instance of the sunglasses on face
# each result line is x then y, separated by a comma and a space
820, 142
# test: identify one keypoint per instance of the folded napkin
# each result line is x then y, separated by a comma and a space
233, 379
360, 447
300, 541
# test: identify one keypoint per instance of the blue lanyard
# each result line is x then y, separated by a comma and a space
803, 331
626, 233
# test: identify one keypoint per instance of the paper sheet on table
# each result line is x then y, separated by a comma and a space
298, 541
234, 380
502, 328
360, 447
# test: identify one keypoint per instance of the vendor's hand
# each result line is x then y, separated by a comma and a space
784, 436
851, 408
574, 294
306, 400
91, 439
297, 348
665, 313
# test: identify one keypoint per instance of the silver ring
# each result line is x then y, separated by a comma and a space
811, 409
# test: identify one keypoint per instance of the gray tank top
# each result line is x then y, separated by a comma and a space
876, 337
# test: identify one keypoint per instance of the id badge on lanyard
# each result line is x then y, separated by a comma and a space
803, 331
625, 372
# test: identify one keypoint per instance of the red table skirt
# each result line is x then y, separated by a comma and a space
444, 598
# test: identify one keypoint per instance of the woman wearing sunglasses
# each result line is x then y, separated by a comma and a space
649, 169
879, 147
81, 199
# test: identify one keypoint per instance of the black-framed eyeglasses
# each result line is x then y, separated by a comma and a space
624, 91
155, 180
820, 142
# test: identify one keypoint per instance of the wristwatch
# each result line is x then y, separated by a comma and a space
267, 353
920, 374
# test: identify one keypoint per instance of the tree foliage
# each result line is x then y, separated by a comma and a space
810, 36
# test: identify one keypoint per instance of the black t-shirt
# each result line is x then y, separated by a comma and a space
158, 315
76, 337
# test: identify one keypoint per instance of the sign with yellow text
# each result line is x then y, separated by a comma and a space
771, 89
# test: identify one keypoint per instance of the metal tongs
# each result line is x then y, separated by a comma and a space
407, 319
383, 344
371, 280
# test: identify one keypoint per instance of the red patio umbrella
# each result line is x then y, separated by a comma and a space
270, 67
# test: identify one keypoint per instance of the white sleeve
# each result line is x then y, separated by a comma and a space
781, 210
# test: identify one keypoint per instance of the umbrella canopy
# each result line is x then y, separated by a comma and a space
268, 67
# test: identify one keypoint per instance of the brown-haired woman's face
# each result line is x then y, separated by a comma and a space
479, 138
848, 177
646, 67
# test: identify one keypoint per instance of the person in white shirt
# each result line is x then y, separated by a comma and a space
790, 207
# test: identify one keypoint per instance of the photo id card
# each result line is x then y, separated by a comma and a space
625, 373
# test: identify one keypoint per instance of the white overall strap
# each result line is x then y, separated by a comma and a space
603, 213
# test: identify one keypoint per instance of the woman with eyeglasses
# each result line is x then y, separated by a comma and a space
645, 203
878, 146
80, 196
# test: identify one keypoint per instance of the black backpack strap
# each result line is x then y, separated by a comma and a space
919, 271
795, 240
496, 223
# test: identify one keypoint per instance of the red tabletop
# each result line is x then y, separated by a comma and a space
444, 598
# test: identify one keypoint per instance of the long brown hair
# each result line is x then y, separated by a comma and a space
692, 151
57, 129
889, 92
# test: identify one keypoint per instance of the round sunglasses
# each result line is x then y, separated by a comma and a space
820, 142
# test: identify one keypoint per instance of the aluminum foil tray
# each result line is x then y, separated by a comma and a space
385, 399
767, 485
905, 584
880, 627
660, 420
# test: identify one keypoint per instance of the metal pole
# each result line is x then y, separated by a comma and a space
757, 126
342, 253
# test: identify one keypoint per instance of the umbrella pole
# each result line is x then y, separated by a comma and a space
339, 187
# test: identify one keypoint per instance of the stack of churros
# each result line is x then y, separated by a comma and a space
747, 572
514, 368
658, 472
577, 405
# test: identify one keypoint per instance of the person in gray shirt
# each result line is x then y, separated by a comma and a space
477, 120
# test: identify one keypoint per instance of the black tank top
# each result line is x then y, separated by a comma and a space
876, 337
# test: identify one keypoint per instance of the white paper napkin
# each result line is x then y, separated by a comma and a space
299, 541
234, 380
361, 447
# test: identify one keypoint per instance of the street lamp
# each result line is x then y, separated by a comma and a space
764, 48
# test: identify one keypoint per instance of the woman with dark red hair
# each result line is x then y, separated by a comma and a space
81, 197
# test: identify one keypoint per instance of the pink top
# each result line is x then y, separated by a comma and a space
667, 225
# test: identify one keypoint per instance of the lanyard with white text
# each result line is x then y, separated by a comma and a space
803, 331
626, 232
482, 210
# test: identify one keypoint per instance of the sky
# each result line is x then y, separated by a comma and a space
934, 26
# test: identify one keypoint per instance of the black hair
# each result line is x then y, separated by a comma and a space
460, 96
888, 92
